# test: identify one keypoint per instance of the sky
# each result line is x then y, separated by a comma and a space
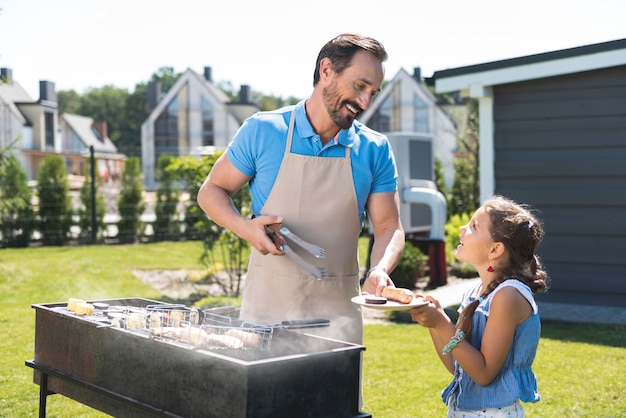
272, 45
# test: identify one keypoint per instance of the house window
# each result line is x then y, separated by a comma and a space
208, 115
49, 130
388, 117
420, 115
166, 130
381, 119
76, 145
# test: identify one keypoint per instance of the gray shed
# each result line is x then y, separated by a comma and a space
553, 135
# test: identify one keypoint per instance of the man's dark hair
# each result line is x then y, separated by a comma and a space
342, 48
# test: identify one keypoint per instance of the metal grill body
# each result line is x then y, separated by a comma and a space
130, 374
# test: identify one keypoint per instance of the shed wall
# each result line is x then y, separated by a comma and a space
560, 145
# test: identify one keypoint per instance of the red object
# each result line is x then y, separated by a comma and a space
437, 263
490, 269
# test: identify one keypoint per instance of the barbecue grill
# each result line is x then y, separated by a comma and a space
143, 358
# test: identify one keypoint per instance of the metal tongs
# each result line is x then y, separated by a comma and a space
278, 233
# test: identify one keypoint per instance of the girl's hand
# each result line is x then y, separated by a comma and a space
431, 315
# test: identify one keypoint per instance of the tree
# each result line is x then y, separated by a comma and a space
16, 211
465, 195
136, 112
85, 214
125, 112
69, 102
272, 102
193, 171
168, 193
55, 208
440, 180
130, 203
166, 76
106, 103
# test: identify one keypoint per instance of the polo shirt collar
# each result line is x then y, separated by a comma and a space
305, 130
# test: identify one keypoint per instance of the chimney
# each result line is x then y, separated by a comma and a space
6, 75
417, 73
154, 95
47, 91
207, 74
100, 127
244, 94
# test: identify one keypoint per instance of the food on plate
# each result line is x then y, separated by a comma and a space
398, 294
375, 300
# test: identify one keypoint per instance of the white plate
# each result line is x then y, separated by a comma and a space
390, 305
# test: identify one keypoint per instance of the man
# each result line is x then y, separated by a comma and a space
316, 170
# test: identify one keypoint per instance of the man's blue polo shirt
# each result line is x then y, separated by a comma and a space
258, 147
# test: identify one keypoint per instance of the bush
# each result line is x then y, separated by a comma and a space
192, 172
130, 203
16, 211
166, 225
407, 271
85, 215
55, 207
457, 268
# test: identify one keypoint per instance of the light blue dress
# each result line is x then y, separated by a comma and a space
516, 380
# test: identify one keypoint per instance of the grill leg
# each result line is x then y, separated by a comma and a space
43, 395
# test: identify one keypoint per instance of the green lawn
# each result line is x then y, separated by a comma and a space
580, 368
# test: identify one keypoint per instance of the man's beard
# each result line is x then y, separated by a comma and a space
335, 110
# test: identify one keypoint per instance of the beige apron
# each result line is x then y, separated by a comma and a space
317, 200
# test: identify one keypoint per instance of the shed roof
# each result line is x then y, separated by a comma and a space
474, 78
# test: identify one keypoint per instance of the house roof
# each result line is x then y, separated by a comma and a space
474, 78
83, 128
12, 93
213, 89
219, 96
409, 82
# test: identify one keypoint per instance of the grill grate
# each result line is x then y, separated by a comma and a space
202, 329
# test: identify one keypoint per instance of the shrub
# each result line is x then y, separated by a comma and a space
130, 202
85, 216
166, 225
16, 211
55, 207
457, 268
192, 172
411, 263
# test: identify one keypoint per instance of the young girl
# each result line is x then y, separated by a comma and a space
492, 348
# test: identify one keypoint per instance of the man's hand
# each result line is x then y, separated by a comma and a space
258, 237
376, 280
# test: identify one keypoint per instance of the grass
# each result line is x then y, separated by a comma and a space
580, 367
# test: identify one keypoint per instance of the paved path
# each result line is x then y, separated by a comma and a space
452, 293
